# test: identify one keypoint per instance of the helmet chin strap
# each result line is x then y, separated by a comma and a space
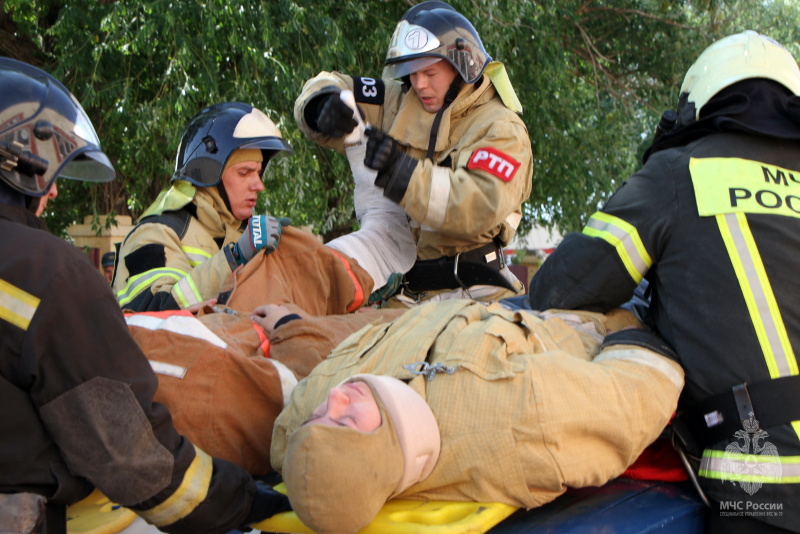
449, 97
224, 195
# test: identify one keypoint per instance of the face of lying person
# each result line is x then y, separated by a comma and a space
351, 404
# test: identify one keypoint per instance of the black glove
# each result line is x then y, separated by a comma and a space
394, 166
266, 503
335, 118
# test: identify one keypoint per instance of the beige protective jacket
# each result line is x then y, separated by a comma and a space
473, 188
178, 258
529, 410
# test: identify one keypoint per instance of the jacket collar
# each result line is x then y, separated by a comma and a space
413, 124
20, 215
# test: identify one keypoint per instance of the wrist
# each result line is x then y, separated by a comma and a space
399, 177
234, 255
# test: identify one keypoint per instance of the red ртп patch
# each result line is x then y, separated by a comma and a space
494, 162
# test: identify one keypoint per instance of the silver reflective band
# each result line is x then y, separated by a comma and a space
168, 369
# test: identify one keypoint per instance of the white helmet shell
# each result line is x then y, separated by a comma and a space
735, 58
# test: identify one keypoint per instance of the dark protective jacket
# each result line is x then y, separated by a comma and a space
715, 227
76, 397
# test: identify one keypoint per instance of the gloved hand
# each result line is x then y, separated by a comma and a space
394, 166
335, 118
266, 503
389, 290
263, 233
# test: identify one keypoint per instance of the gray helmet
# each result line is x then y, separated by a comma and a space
215, 133
44, 132
429, 32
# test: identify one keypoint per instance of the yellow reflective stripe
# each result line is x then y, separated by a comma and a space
724, 465
195, 256
625, 239
186, 292
757, 291
17, 306
192, 491
142, 281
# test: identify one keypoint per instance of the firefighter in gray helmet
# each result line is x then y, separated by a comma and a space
197, 232
77, 410
448, 146
708, 221
432, 31
44, 134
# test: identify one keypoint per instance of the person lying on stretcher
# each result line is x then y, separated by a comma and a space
460, 400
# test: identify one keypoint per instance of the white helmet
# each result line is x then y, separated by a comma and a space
735, 58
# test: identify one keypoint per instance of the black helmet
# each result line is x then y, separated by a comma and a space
431, 31
44, 132
215, 133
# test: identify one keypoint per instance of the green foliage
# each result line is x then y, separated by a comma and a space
593, 78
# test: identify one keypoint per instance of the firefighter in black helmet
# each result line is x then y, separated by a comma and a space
712, 221
448, 147
77, 408
196, 233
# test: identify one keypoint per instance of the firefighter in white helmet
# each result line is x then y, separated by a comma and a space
196, 233
448, 147
711, 221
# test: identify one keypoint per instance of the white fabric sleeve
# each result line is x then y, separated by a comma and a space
384, 243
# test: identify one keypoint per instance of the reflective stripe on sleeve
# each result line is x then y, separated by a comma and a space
738, 467
186, 292
439, 197
192, 491
140, 282
195, 256
17, 306
625, 239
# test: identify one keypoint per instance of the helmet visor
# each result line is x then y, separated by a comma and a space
89, 166
398, 70
78, 154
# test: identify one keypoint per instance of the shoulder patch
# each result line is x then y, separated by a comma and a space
178, 220
494, 162
369, 90
145, 258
